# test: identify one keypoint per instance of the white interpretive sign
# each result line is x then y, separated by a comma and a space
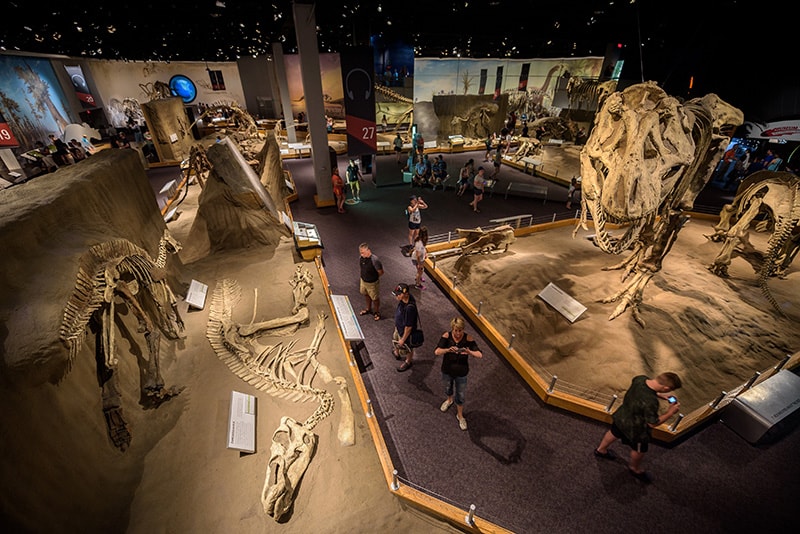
242, 422
351, 330
563, 303
196, 296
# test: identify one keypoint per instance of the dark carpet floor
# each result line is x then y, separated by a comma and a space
526, 466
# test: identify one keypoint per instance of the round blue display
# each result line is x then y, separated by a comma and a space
183, 87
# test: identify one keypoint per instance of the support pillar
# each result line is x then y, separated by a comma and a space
306, 29
283, 91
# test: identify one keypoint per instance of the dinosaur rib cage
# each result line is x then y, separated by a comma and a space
273, 370
90, 286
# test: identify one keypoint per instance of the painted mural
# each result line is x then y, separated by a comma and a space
332, 92
31, 99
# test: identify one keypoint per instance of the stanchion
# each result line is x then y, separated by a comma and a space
511, 342
369, 408
352, 358
552, 384
455, 279
751, 381
716, 401
470, 519
676, 423
610, 404
480, 304
395, 481
783, 362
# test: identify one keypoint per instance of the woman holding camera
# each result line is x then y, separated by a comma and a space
456, 348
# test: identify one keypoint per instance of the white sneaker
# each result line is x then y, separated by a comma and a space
446, 405
462, 423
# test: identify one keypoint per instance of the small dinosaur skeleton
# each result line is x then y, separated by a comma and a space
280, 371
647, 159
121, 271
776, 195
479, 241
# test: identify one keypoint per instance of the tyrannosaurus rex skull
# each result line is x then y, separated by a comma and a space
639, 148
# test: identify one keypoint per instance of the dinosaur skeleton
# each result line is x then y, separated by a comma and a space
198, 165
121, 271
478, 119
645, 162
590, 93
280, 371
398, 119
156, 90
775, 195
479, 241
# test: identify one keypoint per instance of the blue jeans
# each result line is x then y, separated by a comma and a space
460, 383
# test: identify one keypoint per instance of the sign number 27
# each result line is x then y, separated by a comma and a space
368, 132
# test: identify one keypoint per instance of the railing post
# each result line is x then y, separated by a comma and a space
470, 519
369, 408
552, 383
783, 362
511, 342
751, 381
676, 423
610, 404
716, 401
480, 304
395, 481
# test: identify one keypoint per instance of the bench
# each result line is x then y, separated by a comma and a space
517, 188
532, 163
516, 219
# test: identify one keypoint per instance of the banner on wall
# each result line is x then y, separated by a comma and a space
498, 84
81, 87
523, 77
7, 139
482, 84
359, 100
780, 130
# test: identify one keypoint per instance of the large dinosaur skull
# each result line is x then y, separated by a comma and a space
293, 446
638, 149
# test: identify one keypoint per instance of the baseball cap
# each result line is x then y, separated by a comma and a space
401, 289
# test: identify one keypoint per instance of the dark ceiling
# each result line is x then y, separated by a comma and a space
670, 41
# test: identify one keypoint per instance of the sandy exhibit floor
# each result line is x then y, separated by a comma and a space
714, 332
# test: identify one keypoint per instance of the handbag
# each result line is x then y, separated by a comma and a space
417, 337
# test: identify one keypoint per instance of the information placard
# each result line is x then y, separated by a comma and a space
242, 422
351, 330
196, 296
563, 303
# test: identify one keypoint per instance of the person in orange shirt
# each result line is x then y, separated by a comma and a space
338, 190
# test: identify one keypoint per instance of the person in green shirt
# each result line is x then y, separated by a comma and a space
635, 419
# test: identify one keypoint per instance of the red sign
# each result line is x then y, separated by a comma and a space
7, 138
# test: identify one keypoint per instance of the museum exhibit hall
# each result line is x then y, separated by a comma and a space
450, 267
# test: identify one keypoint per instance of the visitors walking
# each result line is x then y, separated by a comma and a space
456, 348
354, 178
419, 254
415, 204
405, 322
338, 190
371, 270
478, 184
465, 177
635, 418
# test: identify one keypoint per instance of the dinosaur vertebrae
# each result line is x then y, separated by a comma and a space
277, 370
